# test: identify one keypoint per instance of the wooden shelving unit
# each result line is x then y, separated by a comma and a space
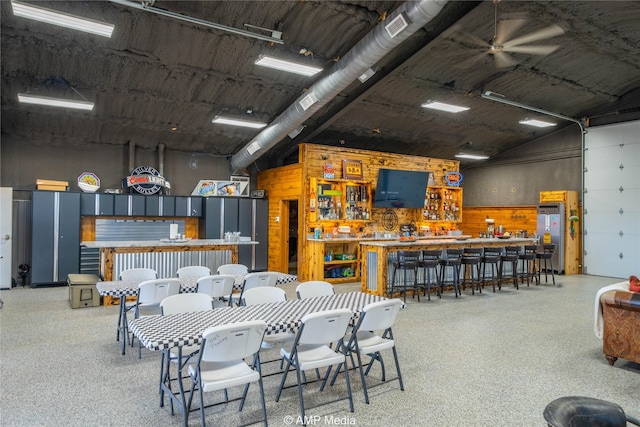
443, 204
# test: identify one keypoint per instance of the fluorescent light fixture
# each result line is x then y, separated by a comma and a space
291, 67
471, 156
536, 123
238, 122
54, 102
449, 108
61, 19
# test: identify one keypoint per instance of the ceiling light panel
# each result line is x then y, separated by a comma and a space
470, 156
54, 102
441, 106
61, 19
238, 122
288, 66
536, 123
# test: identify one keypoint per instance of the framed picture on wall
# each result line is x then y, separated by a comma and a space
352, 169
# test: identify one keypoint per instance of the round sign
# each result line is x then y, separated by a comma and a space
141, 182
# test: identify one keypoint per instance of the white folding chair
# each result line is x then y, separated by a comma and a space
311, 349
138, 274
174, 304
132, 274
371, 335
150, 294
185, 303
217, 286
255, 280
193, 271
221, 362
234, 269
314, 288
263, 294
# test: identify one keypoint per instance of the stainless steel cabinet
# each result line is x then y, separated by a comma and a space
248, 216
96, 204
55, 236
129, 205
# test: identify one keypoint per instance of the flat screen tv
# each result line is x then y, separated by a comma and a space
400, 189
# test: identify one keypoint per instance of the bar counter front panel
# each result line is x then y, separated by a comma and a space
164, 257
375, 255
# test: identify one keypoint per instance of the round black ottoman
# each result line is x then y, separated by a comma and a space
578, 411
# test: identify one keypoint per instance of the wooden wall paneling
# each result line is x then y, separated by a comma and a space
87, 228
314, 157
292, 182
512, 218
191, 225
282, 184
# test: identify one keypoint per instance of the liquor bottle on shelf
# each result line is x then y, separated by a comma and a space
312, 200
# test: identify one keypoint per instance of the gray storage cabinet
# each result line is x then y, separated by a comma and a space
55, 236
248, 216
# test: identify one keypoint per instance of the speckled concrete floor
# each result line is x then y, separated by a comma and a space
479, 360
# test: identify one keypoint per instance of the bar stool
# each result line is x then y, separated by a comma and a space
470, 265
546, 254
429, 264
527, 257
451, 258
510, 256
491, 256
407, 261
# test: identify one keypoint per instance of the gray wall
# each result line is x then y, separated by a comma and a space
24, 161
517, 177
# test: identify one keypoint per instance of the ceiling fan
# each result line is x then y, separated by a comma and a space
502, 42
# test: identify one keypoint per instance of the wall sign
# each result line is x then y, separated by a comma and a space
328, 172
352, 169
146, 180
453, 179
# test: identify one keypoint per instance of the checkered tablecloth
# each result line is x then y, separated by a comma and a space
163, 332
125, 288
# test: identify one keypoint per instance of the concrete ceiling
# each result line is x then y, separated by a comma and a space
157, 73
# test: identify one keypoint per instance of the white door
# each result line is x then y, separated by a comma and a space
6, 225
612, 200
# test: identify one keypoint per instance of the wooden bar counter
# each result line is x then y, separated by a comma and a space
164, 256
374, 255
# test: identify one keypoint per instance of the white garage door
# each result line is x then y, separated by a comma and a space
611, 200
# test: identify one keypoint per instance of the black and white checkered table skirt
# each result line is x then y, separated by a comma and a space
163, 332
125, 288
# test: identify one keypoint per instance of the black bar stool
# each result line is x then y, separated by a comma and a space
491, 257
470, 262
407, 261
510, 256
451, 259
429, 264
546, 254
528, 257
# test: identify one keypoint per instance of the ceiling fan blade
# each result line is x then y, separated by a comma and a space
470, 61
533, 50
504, 60
544, 33
506, 29
467, 38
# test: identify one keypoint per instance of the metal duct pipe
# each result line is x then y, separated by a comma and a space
132, 156
161, 148
366, 53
